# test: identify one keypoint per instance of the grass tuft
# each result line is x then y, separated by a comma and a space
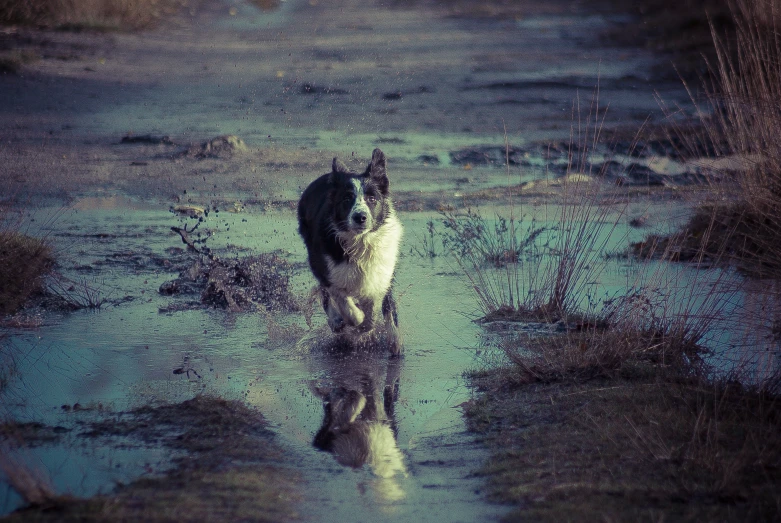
24, 263
741, 118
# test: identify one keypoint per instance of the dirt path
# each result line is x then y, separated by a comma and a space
301, 84
297, 85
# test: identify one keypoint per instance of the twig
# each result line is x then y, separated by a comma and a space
185, 235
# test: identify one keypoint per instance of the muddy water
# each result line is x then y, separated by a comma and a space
126, 353
140, 348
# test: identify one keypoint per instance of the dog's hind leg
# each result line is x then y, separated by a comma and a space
391, 324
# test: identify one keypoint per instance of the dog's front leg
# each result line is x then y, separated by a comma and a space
335, 320
350, 313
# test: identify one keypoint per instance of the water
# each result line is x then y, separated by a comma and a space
124, 355
137, 350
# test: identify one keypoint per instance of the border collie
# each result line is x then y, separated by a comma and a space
352, 236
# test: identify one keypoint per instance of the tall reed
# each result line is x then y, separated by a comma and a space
740, 117
530, 267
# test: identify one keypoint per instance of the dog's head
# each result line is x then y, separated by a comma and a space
360, 201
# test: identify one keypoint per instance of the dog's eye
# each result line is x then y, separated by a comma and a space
347, 199
371, 199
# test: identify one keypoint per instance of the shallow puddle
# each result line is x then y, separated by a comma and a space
128, 353
141, 348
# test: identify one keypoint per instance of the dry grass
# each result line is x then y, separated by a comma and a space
629, 415
28, 482
24, 263
525, 269
741, 117
86, 14
628, 450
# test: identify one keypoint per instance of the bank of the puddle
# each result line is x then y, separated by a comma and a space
629, 448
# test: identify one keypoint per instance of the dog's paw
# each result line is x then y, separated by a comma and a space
337, 324
365, 327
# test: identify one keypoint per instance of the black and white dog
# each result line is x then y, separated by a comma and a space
352, 236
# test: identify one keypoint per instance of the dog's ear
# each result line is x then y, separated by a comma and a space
377, 170
336, 167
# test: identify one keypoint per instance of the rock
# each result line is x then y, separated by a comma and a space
487, 155
428, 159
219, 147
192, 211
632, 174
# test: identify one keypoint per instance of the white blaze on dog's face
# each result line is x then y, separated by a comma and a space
359, 201
359, 217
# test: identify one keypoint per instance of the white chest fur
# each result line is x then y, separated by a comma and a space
372, 261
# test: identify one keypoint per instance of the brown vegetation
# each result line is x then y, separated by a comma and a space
645, 448
86, 14
628, 415
24, 262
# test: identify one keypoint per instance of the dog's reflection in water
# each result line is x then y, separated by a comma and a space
359, 394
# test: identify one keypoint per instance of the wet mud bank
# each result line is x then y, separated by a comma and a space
221, 463
332, 79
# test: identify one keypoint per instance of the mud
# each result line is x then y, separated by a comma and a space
223, 115
214, 446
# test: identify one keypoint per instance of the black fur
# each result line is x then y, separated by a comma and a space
324, 207
331, 216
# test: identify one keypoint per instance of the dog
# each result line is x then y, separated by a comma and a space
352, 236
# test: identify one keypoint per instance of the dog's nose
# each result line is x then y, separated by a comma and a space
360, 218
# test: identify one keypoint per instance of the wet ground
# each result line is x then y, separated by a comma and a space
297, 85
306, 82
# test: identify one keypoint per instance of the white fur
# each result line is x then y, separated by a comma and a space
368, 274
360, 205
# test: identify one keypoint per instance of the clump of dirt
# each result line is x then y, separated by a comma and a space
249, 283
623, 163
202, 424
229, 469
220, 147
147, 139
33, 433
488, 155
